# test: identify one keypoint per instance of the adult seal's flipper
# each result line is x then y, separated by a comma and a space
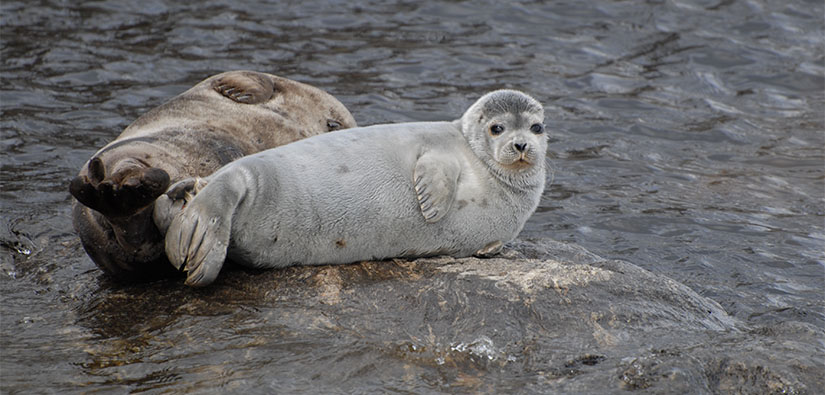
245, 87
121, 193
435, 179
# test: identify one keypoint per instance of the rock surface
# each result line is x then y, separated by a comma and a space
529, 320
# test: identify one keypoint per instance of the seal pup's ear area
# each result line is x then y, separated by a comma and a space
120, 194
196, 243
435, 179
246, 87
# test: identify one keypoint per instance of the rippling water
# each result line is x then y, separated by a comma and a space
688, 137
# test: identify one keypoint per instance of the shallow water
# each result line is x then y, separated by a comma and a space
687, 137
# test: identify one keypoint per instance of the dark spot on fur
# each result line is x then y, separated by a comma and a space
343, 169
462, 204
225, 152
281, 113
341, 243
484, 202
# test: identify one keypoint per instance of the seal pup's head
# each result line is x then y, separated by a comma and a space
505, 129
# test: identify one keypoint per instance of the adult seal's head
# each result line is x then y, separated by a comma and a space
399, 190
221, 119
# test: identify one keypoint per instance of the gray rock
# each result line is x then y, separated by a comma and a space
543, 316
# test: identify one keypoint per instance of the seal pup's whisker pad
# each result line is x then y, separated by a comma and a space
417, 189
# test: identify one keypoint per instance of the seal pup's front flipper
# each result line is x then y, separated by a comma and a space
197, 238
435, 179
490, 250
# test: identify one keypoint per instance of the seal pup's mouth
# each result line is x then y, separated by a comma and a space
522, 162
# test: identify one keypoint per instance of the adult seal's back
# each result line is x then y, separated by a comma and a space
404, 190
217, 121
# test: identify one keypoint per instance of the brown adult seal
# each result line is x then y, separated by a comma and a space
221, 119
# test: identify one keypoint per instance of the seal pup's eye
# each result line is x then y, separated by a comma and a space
333, 125
496, 129
537, 128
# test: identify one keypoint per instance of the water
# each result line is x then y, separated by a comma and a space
687, 137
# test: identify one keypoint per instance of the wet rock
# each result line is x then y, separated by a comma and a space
530, 319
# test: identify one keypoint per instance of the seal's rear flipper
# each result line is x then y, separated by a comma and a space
121, 193
196, 242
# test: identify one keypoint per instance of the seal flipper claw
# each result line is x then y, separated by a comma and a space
435, 179
96, 170
204, 266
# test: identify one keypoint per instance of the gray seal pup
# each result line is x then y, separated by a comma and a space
399, 190
221, 119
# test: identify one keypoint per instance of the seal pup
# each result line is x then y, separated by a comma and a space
399, 190
221, 119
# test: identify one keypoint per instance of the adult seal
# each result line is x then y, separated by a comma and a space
400, 190
219, 120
